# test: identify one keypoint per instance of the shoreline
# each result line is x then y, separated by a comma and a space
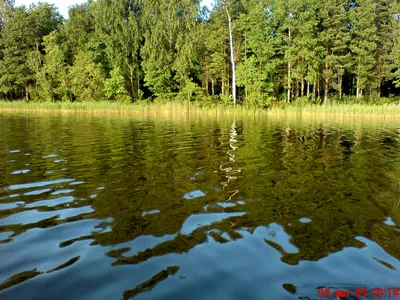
344, 111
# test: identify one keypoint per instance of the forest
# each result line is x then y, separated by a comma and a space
255, 52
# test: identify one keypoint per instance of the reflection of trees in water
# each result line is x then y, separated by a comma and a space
151, 283
230, 171
347, 184
344, 198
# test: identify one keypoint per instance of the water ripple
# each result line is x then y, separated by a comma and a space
37, 184
161, 208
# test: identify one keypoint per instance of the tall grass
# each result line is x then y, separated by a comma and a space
174, 108
333, 110
338, 110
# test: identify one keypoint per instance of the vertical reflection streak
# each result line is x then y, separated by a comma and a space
230, 172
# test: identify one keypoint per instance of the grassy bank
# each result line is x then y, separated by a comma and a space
389, 111
338, 110
123, 108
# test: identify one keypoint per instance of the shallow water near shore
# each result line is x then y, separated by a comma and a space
158, 207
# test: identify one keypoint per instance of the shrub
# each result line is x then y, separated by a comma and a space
114, 87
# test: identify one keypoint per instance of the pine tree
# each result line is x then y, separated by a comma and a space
363, 43
288, 18
217, 51
385, 41
306, 45
123, 49
395, 28
334, 38
256, 71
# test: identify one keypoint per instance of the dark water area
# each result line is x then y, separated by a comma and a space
109, 207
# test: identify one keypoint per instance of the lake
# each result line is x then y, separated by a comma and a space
197, 207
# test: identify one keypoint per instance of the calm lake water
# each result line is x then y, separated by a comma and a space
109, 207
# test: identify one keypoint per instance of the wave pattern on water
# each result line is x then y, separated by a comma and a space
133, 207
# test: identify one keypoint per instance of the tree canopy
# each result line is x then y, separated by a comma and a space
270, 51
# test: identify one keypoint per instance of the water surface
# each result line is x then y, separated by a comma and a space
109, 207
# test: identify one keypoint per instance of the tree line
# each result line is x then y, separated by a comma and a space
258, 51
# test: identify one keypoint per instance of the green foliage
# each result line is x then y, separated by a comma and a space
86, 78
165, 98
301, 102
17, 41
79, 28
52, 78
190, 91
45, 19
259, 63
168, 39
335, 38
5, 6
117, 27
114, 87
20, 45
249, 76
385, 23
363, 41
209, 101
226, 100
375, 99
395, 52
131, 50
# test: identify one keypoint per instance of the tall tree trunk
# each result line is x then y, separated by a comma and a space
308, 88
379, 88
302, 86
132, 92
247, 98
138, 88
26, 93
340, 87
38, 51
378, 80
314, 89
289, 72
212, 86
289, 89
232, 56
359, 93
326, 83
207, 93
246, 95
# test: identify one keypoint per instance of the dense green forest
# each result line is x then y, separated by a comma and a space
261, 51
